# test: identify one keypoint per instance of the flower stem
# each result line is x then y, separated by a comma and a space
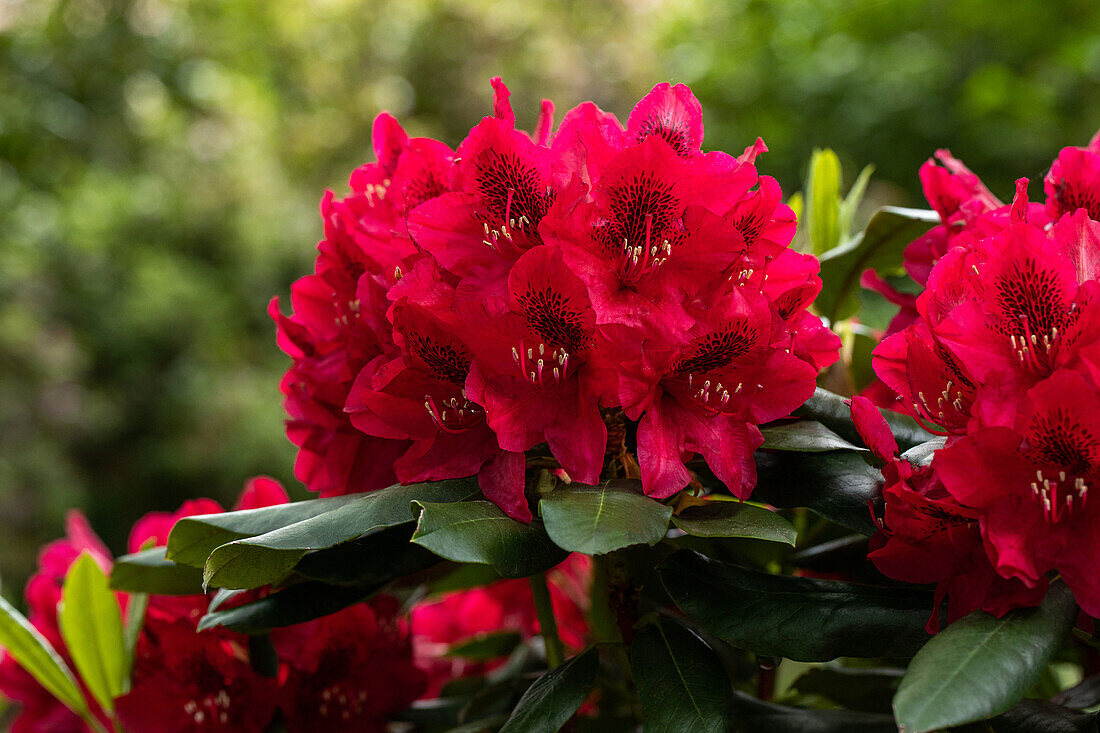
605, 625
555, 652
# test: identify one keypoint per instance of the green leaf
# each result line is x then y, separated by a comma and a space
554, 697
879, 247
293, 605
850, 205
462, 577
33, 653
265, 559
856, 688
832, 411
378, 558
804, 436
136, 606
1040, 716
192, 539
757, 715
980, 665
599, 519
837, 485
823, 197
479, 532
91, 624
680, 680
149, 572
734, 519
481, 647
803, 619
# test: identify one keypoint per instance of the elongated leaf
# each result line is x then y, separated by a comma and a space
980, 666
856, 688
1040, 716
193, 538
91, 624
734, 519
851, 202
267, 558
680, 680
803, 619
599, 519
555, 696
479, 532
149, 572
33, 653
837, 485
823, 197
293, 605
756, 715
378, 558
136, 606
804, 436
482, 647
879, 247
832, 411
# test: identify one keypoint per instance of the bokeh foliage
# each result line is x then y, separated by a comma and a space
161, 163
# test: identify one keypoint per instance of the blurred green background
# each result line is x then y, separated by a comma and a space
161, 163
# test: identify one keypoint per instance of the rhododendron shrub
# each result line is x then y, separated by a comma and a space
557, 395
550, 289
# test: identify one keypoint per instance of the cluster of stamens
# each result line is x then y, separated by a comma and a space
505, 231
453, 415
349, 705
216, 706
712, 394
943, 401
641, 259
541, 363
1033, 349
1055, 506
375, 191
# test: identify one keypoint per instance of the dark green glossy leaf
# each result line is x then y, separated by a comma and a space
479, 532
830, 410
803, 619
980, 665
555, 696
879, 247
378, 558
91, 624
680, 680
267, 558
856, 688
836, 485
193, 538
492, 645
149, 572
734, 519
756, 715
804, 436
599, 519
292, 605
1039, 716
461, 577
33, 653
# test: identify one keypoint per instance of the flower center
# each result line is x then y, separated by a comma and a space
455, 414
1059, 496
541, 364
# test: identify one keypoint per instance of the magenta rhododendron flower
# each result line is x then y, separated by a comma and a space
545, 289
1000, 358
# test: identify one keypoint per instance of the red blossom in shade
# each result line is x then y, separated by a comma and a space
927, 536
1073, 182
1030, 485
468, 308
349, 671
1001, 355
506, 605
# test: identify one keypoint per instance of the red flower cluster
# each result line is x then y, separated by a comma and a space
533, 289
344, 672
504, 606
1002, 356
